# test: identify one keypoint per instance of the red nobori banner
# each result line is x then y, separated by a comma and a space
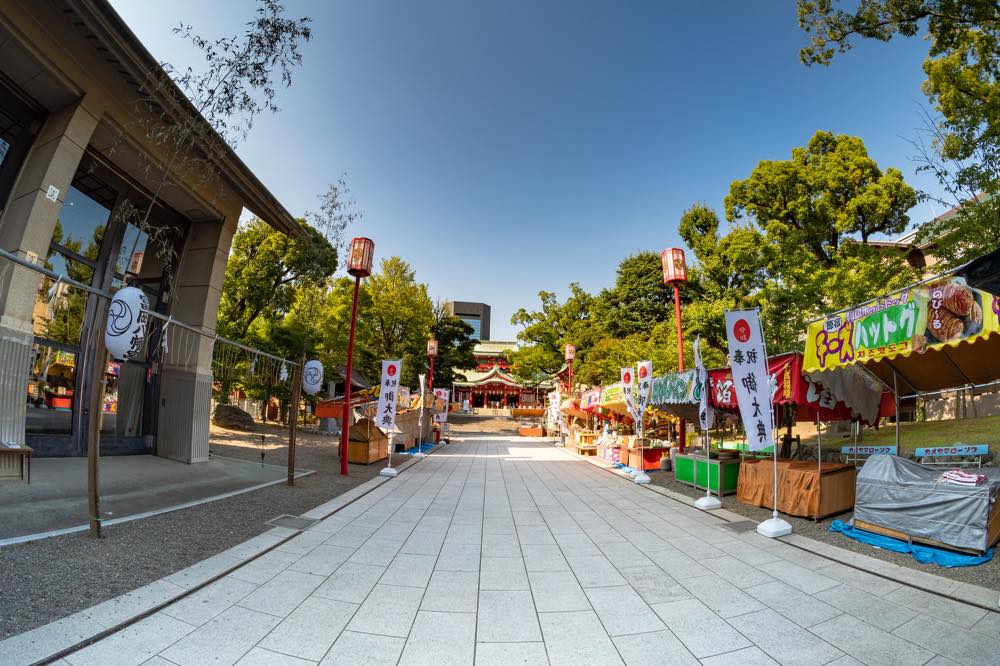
786, 383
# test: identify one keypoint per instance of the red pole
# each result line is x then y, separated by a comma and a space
430, 375
682, 426
345, 424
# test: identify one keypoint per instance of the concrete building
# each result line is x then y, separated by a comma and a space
476, 315
78, 148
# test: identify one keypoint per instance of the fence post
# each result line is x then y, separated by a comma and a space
293, 418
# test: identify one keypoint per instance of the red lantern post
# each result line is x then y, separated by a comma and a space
675, 272
359, 264
432, 352
570, 355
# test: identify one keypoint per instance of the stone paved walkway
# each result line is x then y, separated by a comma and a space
505, 551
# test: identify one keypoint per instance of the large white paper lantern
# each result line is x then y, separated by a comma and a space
127, 317
312, 377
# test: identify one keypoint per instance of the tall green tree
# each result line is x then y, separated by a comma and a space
265, 270
399, 320
800, 238
963, 87
637, 301
546, 331
455, 346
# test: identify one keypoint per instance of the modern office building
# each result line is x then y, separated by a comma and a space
476, 315
78, 149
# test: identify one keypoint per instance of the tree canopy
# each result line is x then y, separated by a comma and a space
962, 85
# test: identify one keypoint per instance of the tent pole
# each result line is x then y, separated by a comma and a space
819, 465
895, 395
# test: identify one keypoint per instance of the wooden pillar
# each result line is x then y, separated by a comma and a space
293, 420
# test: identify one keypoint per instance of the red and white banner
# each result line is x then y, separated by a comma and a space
751, 381
385, 416
442, 394
628, 389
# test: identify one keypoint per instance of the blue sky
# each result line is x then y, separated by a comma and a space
507, 147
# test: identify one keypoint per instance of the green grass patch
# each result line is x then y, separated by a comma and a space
983, 430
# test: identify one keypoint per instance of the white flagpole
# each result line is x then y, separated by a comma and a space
419, 454
706, 503
774, 526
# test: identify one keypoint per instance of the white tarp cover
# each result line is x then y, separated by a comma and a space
902, 495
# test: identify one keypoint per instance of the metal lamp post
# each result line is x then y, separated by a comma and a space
674, 273
359, 264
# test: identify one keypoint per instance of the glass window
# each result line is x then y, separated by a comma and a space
132, 251
50, 390
124, 390
60, 308
84, 216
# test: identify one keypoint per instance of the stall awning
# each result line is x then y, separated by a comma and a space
571, 408
939, 334
787, 386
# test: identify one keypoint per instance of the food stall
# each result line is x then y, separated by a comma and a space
808, 489
937, 334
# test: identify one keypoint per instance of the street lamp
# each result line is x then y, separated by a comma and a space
359, 264
675, 272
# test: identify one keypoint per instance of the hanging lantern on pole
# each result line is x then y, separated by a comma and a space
359, 264
359, 257
125, 333
674, 273
312, 377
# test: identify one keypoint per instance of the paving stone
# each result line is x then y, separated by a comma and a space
784, 640
280, 595
423, 543
653, 649
501, 545
703, 632
947, 640
351, 535
458, 557
260, 657
303, 543
723, 598
859, 580
502, 654
225, 638
654, 585
751, 656
506, 616
364, 650
37, 644
544, 558
989, 625
555, 591
869, 644
452, 591
677, 563
309, 631
265, 567
502, 573
134, 644
388, 611
438, 639
464, 534
747, 553
577, 637
795, 605
118, 610
577, 545
595, 571
379, 552
622, 610
409, 570
948, 610
196, 574
351, 582
624, 554
322, 560
200, 607
530, 535
696, 548
876, 611
798, 577
735, 571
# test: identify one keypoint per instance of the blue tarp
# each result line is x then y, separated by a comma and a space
422, 448
922, 554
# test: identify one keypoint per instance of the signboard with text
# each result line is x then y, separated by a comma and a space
385, 413
751, 381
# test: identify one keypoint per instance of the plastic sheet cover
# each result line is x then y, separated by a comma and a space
901, 495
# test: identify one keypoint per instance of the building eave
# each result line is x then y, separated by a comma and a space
136, 63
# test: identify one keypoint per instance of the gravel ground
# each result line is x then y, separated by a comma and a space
986, 575
46, 580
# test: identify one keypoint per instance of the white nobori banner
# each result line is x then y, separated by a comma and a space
442, 394
706, 413
643, 392
385, 416
748, 362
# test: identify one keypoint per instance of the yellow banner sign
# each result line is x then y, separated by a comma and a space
929, 316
